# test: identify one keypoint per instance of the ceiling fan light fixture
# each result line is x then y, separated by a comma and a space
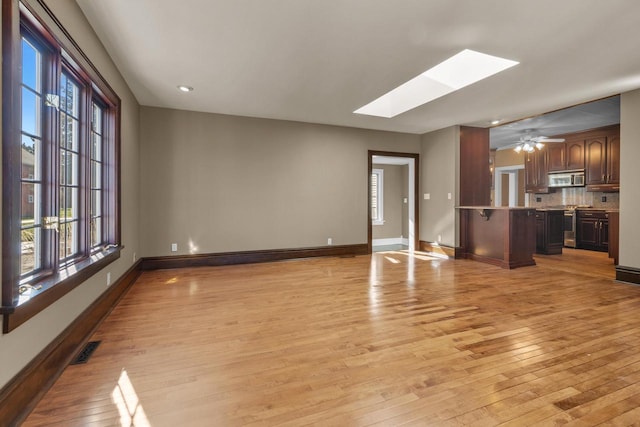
518, 148
539, 145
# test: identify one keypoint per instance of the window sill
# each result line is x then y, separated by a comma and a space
377, 222
55, 287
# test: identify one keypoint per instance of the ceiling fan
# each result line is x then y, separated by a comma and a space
529, 143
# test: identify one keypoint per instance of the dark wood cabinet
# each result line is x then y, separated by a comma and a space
536, 170
549, 231
592, 230
557, 157
613, 159
566, 156
500, 236
596, 161
575, 155
602, 162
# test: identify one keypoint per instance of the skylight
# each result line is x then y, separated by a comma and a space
462, 69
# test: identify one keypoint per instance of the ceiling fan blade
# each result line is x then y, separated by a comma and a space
543, 139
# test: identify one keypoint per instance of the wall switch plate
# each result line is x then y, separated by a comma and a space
449, 196
174, 247
427, 196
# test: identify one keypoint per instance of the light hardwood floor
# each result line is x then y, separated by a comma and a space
386, 340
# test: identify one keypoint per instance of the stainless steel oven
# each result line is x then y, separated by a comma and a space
570, 228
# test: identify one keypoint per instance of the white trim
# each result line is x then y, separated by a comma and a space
390, 241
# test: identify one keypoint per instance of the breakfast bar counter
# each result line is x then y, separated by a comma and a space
502, 236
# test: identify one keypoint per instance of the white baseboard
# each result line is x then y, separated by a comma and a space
390, 241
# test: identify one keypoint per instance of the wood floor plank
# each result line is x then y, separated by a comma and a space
387, 339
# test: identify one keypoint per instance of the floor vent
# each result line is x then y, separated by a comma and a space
85, 353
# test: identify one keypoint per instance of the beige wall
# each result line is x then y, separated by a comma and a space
508, 158
22, 344
394, 190
438, 176
629, 179
215, 183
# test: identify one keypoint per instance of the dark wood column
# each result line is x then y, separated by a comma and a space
475, 175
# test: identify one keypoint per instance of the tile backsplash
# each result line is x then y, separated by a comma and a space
575, 196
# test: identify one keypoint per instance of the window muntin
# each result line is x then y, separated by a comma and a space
377, 190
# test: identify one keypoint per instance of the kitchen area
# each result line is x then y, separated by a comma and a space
566, 166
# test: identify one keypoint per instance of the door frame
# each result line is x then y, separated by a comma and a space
416, 182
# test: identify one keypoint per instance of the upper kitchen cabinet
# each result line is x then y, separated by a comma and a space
566, 156
575, 155
602, 161
536, 169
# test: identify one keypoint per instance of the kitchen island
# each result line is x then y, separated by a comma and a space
502, 236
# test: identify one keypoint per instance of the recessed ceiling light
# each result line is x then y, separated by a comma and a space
185, 88
462, 69
495, 122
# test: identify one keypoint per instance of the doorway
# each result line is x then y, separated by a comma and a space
400, 223
509, 186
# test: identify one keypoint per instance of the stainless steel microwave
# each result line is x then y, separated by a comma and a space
566, 179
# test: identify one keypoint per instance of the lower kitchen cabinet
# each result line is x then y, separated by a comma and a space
592, 230
549, 231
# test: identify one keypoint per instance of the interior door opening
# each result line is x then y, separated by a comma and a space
392, 201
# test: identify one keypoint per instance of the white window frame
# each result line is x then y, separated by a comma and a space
379, 197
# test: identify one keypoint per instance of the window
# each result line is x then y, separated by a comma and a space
377, 190
60, 128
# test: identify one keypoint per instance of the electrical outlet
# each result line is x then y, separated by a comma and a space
174, 247
449, 196
439, 238
604, 199
109, 279
427, 196
329, 241
538, 199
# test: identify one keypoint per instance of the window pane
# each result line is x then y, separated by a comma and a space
68, 203
96, 147
68, 132
30, 112
30, 250
68, 239
63, 131
30, 204
96, 175
96, 231
68, 168
69, 96
30, 66
96, 203
30, 158
96, 122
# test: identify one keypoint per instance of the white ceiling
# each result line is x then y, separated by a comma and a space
318, 61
